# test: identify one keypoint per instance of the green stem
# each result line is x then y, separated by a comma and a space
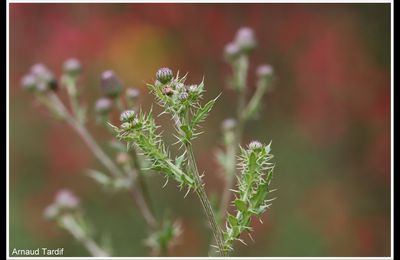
69, 223
201, 193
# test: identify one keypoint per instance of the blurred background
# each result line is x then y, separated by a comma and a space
328, 117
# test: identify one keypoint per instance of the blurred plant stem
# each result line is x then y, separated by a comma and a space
69, 223
82, 131
241, 67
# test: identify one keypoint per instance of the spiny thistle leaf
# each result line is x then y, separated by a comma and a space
253, 189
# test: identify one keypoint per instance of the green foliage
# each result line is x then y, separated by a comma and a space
253, 189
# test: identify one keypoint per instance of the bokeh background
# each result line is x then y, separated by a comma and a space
328, 117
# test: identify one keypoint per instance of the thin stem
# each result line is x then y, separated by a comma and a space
201, 193
71, 225
238, 133
104, 159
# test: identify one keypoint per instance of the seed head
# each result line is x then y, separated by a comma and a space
255, 145
28, 82
183, 95
66, 199
72, 67
265, 70
168, 91
110, 84
127, 116
245, 39
164, 75
103, 106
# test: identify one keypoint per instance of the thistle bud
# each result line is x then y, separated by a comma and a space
110, 84
264, 71
228, 124
231, 51
66, 199
245, 39
126, 126
180, 87
255, 145
103, 106
168, 91
183, 95
122, 158
132, 94
45, 79
72, 67
127, 116
28, 82
192, 88
164, 75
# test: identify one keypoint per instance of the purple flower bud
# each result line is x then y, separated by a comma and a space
127, 116
126, 126
164, 75
231, 51
264, 70
103, 106
72, 67
228, 124
255, 145
132, 94
110, 84
180, 87
66, 199
28, 82
45, 79
183, 95
245, 39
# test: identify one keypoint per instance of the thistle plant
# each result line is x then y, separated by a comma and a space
139, 147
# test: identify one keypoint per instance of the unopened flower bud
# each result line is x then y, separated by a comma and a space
45, 79
103, 106
255, 145
132, 94
183, 95
192, 88
264, 71
180, 87
72, 67
164, 75
28, 82
127, 116
228, 124
231, 51
66, 199
126, 126
245, 39
168, 91
110, 84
